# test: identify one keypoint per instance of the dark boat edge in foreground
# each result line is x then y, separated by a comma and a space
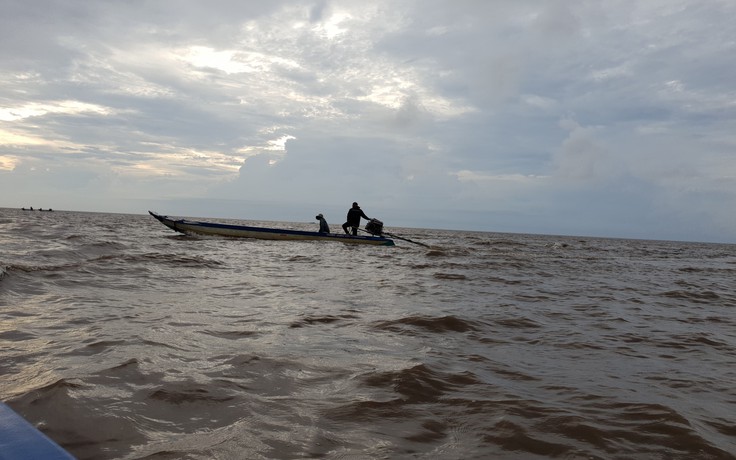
21, 440
263, 233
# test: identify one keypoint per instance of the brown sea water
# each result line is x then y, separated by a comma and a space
122, 339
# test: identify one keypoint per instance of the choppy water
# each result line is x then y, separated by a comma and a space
122, 339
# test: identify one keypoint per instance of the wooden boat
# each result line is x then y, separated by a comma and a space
263, 233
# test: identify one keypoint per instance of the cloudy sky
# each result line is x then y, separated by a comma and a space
575, 117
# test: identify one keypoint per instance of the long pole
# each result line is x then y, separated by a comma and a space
397, 237
406, 239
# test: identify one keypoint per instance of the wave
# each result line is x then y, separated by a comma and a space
10, 269
54, 392
327, 319
95, 348
518, 323
499, 243
125, 259
403, 389
709, 270
450, 276
591, 427
430, 324
126, 374
697, 297
125, 365
701, 339
183, 393
232, 335
449, 252
163, 259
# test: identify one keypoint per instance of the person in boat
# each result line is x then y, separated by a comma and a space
323, 227
353, 220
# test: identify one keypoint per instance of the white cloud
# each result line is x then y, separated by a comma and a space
69, 107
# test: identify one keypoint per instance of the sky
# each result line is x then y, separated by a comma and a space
563, 117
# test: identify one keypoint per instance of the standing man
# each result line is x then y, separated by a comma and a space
353, 220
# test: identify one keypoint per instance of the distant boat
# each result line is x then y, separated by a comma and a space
263, 233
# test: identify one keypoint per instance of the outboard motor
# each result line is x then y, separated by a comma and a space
374, 227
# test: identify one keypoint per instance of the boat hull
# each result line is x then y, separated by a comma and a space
263, 233
19, 439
